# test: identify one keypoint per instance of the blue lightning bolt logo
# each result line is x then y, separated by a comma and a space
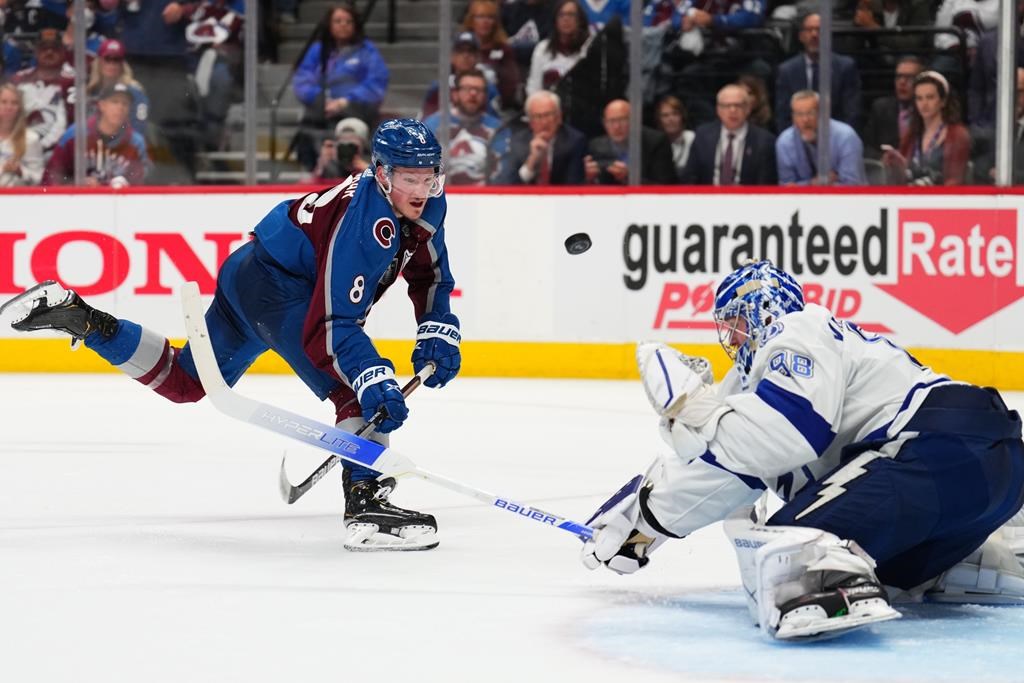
837, 482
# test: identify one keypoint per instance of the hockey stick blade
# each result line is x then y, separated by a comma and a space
290, 493
339, 442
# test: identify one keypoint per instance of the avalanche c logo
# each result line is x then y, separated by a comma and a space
384, 232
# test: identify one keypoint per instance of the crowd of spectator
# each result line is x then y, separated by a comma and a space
538, 91
732, 96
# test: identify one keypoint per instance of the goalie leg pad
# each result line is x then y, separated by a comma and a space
991, 575
804, 583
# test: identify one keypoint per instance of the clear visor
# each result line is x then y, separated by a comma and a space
417, 182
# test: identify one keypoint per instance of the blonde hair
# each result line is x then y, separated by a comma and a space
20, 122
95, 84
498, 36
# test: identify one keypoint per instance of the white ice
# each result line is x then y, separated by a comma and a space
144, 541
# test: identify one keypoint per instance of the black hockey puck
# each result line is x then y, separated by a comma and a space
578, 243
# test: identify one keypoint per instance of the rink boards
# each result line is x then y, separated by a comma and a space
937, 272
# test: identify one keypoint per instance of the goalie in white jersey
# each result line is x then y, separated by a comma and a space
893, 476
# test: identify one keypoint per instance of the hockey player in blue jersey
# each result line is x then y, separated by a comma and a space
303, 287
897, 483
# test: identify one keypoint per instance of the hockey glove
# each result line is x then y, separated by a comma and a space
376, 388
622, 540
437, 340
678, 386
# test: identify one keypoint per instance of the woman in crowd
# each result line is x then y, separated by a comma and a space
670, 115
109, 68
340, 74
21, 154
555, 56
937, 146
483, 20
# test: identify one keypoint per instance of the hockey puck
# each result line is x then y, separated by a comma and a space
578, 243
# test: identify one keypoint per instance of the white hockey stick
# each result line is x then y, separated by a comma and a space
290, 493
346, 446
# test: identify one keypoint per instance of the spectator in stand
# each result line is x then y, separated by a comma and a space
465, 57
470, 130
760, 106
801, 73
109, 68
483, 21
708, 53
548, 152
875, 14
608, 161
732, 151
555, 56
348, 153
936, 149
214, 35
890, 116
527, 22
973, 16
601, 12
796, 149
671, 118
46, 88
341, 74
986, 161
981, 86
116, 154
153, 35
21, 155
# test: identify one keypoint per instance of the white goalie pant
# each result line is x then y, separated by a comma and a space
780, 563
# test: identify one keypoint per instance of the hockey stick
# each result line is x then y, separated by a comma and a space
293, 493
346, 446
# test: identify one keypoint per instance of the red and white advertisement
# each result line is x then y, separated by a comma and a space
931, 270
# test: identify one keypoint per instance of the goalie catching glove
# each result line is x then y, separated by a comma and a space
437, 341
623, 540
679, 386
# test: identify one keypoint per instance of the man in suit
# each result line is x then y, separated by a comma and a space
546, 153
801, 73
890, 116
797, 148
731, 151
608, 161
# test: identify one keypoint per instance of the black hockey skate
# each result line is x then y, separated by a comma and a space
48, 306
847, 601
373, 523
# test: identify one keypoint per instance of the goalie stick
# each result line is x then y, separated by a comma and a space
339, 442
293, 493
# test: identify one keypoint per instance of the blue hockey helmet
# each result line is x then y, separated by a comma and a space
406, 143
759, 294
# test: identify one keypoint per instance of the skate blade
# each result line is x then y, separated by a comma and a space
366, 538
23, 304
812, 626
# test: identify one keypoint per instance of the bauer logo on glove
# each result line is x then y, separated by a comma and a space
437, 341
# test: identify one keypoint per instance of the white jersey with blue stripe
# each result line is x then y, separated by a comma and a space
816, 385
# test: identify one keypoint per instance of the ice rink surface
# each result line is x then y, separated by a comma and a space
144, 541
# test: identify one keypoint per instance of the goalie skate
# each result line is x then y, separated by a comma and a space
374, 524
854, 603
49, 306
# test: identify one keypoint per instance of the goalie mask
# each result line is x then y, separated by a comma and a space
747, 302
